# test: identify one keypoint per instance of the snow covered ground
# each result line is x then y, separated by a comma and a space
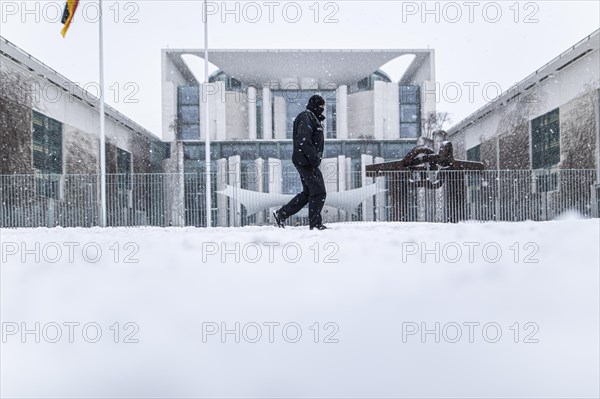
517, 307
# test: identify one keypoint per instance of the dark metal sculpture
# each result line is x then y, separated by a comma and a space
430, 170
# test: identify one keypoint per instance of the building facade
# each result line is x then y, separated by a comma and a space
548, 121
252, 101
49, 134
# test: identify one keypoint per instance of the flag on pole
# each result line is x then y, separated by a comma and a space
70, 7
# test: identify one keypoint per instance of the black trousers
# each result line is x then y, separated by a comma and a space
313, 193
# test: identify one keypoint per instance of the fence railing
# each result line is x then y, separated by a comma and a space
239, 200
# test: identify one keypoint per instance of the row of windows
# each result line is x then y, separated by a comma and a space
188, 111
194, 152
47, 151
545, 142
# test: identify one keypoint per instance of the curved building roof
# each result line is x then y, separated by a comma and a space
336, 66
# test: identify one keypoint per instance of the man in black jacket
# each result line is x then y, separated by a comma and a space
308, 150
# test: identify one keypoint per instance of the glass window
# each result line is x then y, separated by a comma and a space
393, 151
231, 84
228, 150
545, 140
409, 113
286, 150
188, 112
192, 152
189, 132
474, 154
268, 150
409, 94
47, 144
188, 95
353, 149
331, 110
124, 169
408, 130
364, 84
368, 83
247, 151
332, 150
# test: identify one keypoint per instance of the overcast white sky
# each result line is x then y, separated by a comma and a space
473, 42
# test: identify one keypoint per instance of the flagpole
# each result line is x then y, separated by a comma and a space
102, 116
207, 122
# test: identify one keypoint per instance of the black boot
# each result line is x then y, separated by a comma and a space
319, 227
279, 220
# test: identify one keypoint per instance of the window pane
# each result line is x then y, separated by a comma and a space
409, 94
124, 169
474, 154
332, 150
191, 152
188, 95
47, 144
189, 132
545, 140
394, 150
268, 150
363, 84
189, 114
409, 113
408, 130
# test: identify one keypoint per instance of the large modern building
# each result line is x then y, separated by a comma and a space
253, 99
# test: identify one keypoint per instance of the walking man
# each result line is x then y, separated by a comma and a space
308, 151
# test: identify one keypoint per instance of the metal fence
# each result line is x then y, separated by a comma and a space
238, 200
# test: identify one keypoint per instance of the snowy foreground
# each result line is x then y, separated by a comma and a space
513, 320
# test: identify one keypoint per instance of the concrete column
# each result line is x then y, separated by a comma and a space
378, 109
266, 114
260, 185
252, 113
391, 116
274, 166
280, 118
235, 180
367, 206
220, 114
214, 94
380, 198
342, 112
222, 200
